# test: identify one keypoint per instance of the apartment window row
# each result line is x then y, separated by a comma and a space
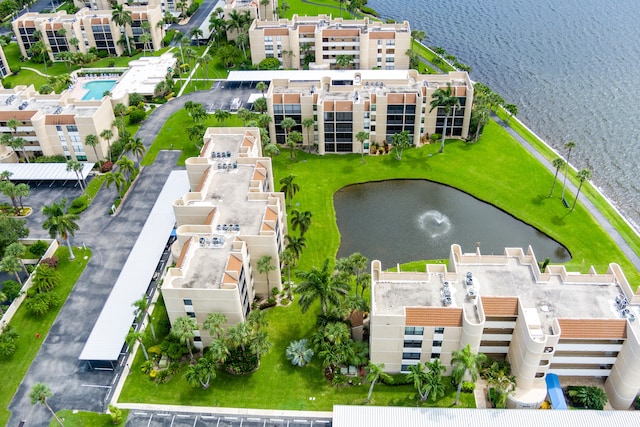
414, 330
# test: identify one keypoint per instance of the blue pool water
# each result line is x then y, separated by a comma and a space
97, 88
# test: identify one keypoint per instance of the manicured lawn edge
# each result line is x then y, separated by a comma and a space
15, 368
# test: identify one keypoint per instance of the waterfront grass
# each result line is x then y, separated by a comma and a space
613, 216
276, 384
497, 169
27, 345
316, 7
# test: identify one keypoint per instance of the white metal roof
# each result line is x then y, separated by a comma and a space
378, 416
43, 171
109, 332
315, 75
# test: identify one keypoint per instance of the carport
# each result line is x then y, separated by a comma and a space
107, 339
44, 172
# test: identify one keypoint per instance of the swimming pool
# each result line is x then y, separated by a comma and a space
97, 88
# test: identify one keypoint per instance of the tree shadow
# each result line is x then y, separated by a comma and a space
538, 200
559, 220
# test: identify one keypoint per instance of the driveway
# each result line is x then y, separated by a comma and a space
111, 239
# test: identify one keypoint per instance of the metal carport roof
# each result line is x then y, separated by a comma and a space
108, 335
43, 171
378, 416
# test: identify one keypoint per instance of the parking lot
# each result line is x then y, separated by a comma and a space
155, 419
223, 93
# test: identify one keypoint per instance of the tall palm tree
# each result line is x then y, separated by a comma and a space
558, 163
76, 166
12, 265
302, 220
183, 328
265, 266
126, 166
136, 147
308, 124
196, 33
582, 175
134, 336
433, 384
569, 146
418, 35
288, 260
504, 385
143, 308
39, 394
361, 137
116, 178
221, 116
289, 187
239, 335
18, 143
61, 222
120, 110
295, 245
465, 363
262, 87
17, 250
320, 284
122, 18
264, 3
293, 140
418, 376
444, 98
145, 39
374, 373
201, 374
92, 141
287, 124
107, 134
214, 324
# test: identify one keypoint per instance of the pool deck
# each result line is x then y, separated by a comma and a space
77, 90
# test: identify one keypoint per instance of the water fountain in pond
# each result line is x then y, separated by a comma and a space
434, 223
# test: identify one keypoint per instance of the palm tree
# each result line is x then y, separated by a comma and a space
145, 39
131, 339
107, 134
92, 141
512, 109
301, 220
239, 335
504, 385
433, 384
299, 353
136, 147
244, 115
39, 394
76, 166
320, 284
206, 60
418, 35
264, 3
222, 116
12, 265
569, 146
122, 18
126, 166
558, 163
10, 190
344, 61
287, 124
271, 150
288, 260
183, 328
289, 188
465, 363
418, 376
265, 266
293, 140
116, 178
143, 307
308, 124
196, 33
295, 245
361, 137
120, 110
590, 396
213, 323
374, 373
201, 374
13, 125
444, 98
582, 175
262, 87
61, 222
17, 250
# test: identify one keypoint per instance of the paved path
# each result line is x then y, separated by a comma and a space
111, 239
604, 222
35, 71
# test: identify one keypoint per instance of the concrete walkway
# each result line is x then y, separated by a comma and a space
604, 222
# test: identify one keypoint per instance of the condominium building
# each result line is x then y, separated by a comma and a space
319, 42
569, 324
229, 220
257, 10
87, 29
378, 102
108, 4
55, 124
4, 64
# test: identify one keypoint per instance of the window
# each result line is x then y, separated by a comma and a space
437, 344
187, 301
435, 355
191, 314
412, 344
410, 356
439, 330
414, 330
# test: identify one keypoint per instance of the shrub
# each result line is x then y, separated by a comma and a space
51, 262
193, 8
112, 63
8, 342
468, 387
135, 98
106, 166
79, 204
136, 116
545, 405
11, 289
435, 137
369, 11
270, 303
339, 379
40, 303
15, 70
116, 414
269, 64
161, 377
299, 353
38, 248
174, 368
146, 367
58, 158
239, 362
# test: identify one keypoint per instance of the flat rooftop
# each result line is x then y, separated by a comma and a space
143, 75
28, 101
552, 299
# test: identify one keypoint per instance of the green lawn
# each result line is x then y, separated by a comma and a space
84, 419
14, 368
277, 384
497, 169
331, 7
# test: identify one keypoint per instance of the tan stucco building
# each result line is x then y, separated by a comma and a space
569, 324
54, 124
378, 102
92, 29
4, 64
229, 220
318, 42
